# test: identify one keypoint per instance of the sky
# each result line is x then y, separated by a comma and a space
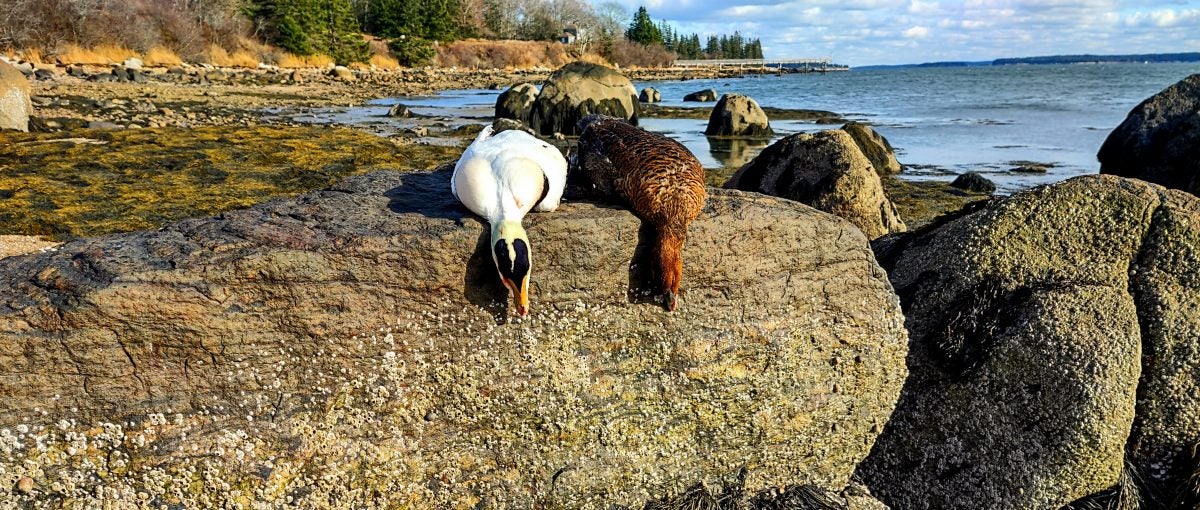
866, 32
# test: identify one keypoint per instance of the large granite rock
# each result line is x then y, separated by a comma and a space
350, 347
15, 104
517, 102
1054, 342
579, 89
738, 115
1159, 141
875, 147
825, 170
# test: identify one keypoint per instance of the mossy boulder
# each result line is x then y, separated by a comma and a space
578, 89
15, 104
352, 347
825, 170
1159, 141
1053, 343
516, 103
738, 115
875, 147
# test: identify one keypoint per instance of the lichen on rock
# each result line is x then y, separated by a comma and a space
350, 347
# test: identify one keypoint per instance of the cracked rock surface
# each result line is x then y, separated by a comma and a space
1053, 341
351, 347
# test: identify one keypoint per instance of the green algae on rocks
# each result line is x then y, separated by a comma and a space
93, 182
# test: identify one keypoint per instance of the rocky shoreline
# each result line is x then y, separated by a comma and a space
311, 320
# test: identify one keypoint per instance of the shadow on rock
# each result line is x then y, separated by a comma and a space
481, 285
642, 271
427, 194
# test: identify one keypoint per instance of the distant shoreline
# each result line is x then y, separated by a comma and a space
1155, 58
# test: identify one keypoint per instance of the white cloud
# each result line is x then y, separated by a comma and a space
860, 32
919, 7
916, 33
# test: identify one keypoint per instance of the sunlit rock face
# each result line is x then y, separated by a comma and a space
578, 89
1053, 352
354, 347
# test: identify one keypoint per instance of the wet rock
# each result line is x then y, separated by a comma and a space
973, 181
650, 95
738, 115
503, 124
259, 331
1030, 167
399, 110
517, 102
1159, 141
825, 170
15, 102
875, 147
102, 124
703, 96
103, 78
1053, 344
578, 89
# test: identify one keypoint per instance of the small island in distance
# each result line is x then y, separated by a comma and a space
1059, 59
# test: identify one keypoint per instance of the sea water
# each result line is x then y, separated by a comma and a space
941, 121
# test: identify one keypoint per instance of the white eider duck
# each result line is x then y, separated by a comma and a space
501, 176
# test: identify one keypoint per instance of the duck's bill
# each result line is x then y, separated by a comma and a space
520, 297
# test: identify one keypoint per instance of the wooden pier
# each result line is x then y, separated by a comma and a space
796, 65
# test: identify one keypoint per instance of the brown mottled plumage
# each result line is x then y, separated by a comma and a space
660, 179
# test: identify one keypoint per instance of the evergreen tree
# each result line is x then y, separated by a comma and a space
342, 37
429, 19
307, 27
713, 48
642, 29
438, 20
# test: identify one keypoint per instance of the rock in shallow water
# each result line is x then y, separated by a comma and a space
973, 181
786, 356
738, 115
1054, 342
1159, 141
826, 170
578, 89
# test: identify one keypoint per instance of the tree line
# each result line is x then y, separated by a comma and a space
411, 28
642, 29
332, 27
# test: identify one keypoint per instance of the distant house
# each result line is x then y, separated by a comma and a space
569, 35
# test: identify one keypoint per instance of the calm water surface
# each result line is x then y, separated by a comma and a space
942, 121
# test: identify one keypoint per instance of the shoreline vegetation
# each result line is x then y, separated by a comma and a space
365, 34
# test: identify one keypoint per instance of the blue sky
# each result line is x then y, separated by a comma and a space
863, 32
